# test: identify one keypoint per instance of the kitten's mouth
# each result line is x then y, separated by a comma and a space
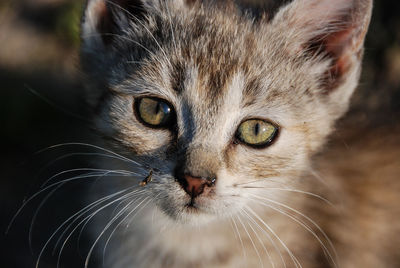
192, 206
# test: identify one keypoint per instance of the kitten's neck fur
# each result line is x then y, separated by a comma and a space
157, 241
153, 239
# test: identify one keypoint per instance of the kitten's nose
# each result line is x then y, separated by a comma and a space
194, 186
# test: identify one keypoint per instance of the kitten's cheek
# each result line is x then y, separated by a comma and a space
228, 181
144, 140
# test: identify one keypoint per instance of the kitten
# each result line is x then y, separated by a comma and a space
218, 110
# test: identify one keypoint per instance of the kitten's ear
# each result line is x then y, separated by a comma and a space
327, 29
103, 20
103, 23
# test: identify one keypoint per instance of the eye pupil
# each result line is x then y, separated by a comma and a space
257, 129
157, 108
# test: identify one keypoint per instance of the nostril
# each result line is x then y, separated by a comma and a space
194, 186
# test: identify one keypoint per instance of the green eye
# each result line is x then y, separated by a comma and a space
154, 112
256, 132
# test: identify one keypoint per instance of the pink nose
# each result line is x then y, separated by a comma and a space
194, 186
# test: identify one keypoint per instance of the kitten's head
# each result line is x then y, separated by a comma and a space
222, 106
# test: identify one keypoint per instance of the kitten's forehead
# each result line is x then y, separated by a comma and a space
212, 110
216, 53
212, 62
203, 59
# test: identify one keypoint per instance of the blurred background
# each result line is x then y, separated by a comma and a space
41, 104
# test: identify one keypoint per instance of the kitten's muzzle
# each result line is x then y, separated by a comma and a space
195, 186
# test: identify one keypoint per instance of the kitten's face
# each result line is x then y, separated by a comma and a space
219, 108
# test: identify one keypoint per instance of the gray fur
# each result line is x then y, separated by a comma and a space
218, 67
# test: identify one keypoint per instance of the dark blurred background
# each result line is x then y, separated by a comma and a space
41, 104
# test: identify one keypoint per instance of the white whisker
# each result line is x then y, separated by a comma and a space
304, 226
65, 222
259, 239
125, 199
41, 191
89, 217
293, 191
35, 215
121, 222
99, 173
240, 239
252, 242
86, 145
80, 154
101, 234
122, 211
294, 259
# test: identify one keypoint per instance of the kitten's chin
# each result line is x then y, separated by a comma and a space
191, 215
